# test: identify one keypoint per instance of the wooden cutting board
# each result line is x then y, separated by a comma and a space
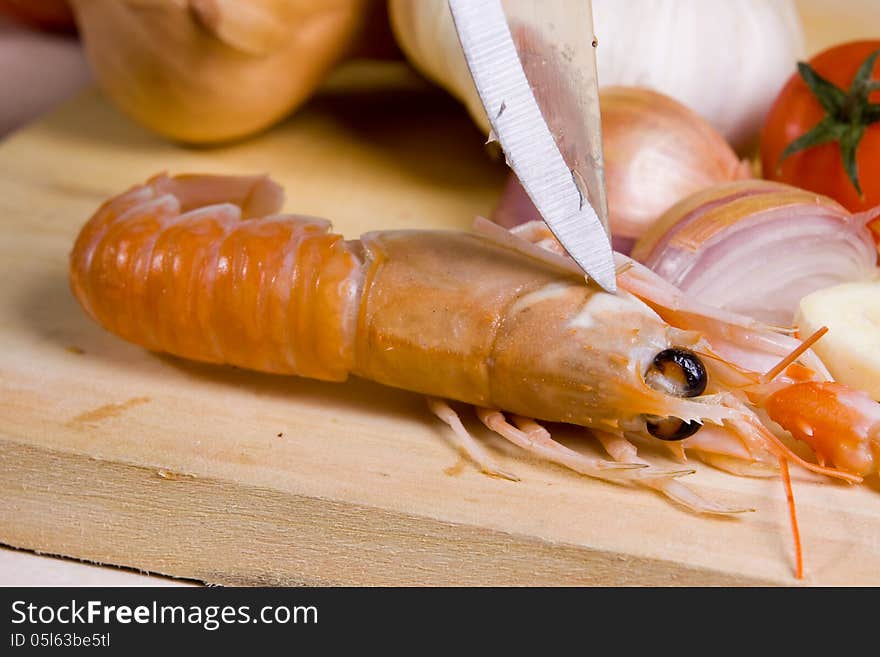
116, 455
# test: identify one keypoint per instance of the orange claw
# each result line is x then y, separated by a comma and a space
840, 424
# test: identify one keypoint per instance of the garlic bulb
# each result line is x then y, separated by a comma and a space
725, 60
212, 70
425, 31
657, 152
757, 247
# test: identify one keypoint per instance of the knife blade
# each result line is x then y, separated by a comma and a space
563, 172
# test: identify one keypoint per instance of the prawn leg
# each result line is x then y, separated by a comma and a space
465, 442
531, 437
622, 450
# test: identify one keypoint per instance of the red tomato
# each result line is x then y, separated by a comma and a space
797, 110
45, 14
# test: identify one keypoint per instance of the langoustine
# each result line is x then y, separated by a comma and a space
203, 267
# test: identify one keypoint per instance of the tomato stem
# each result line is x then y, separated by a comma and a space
847, 114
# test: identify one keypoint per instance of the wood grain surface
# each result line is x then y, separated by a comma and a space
26, 568
113, 454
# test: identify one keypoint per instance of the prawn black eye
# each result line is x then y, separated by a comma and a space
678, 372
671, 428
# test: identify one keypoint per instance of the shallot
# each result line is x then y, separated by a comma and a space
758, 247
657, 152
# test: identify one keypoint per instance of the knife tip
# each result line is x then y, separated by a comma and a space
606, 280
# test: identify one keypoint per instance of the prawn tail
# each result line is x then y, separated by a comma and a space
203, 267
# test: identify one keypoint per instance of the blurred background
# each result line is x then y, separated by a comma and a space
139, 45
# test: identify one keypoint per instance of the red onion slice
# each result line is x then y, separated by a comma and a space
758, 248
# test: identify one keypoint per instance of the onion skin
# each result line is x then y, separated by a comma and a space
758, 247
207, 71
657, 152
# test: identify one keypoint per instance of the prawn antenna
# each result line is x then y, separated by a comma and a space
792, 513
794, 355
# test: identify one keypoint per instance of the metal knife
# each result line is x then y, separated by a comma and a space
535, 71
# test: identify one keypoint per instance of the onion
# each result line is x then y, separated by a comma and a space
657, 152
203, 71
758, 247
